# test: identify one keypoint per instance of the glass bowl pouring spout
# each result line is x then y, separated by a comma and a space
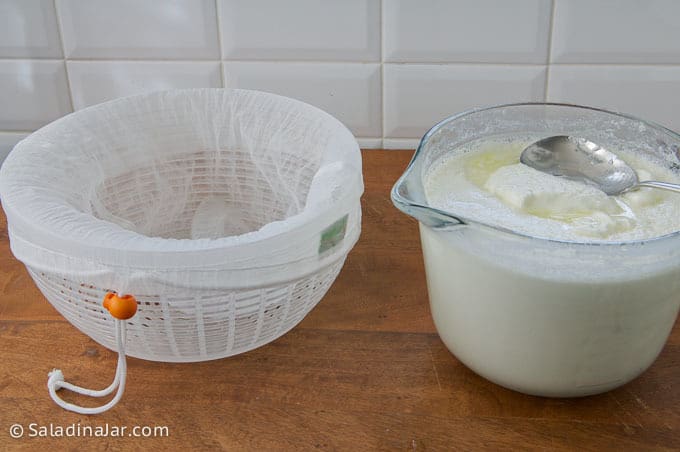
408, 193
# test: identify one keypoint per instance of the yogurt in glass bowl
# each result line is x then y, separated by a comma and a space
540, 284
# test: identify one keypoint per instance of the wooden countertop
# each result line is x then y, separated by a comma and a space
364, 371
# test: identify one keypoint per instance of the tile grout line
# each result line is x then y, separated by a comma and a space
64, 60
382, 73
193, 60
551, 29
353, 62
218, 22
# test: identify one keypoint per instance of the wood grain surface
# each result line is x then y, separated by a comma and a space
365, 370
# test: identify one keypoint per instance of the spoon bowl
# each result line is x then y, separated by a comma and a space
581, 159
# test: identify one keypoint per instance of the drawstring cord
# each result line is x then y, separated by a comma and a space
121, 308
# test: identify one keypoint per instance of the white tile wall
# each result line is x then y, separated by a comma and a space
350, 90
651, 92
139, 29
417, 96
616, 31
28, 29
32, 93
93, 82
300, 30
492, 31
389, 69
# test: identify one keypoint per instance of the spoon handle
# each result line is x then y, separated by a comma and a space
664, 185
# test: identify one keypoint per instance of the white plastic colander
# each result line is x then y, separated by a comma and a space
226, 213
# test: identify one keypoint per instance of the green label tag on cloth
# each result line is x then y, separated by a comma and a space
333, 235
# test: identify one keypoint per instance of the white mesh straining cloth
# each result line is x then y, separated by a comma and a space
200, 188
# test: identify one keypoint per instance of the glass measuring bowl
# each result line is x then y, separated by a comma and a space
541, 316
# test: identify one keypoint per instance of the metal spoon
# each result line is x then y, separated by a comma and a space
583, 160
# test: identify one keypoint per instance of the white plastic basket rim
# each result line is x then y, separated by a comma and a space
43, 219
156, 280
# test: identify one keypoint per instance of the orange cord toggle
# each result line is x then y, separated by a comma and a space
120, 307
